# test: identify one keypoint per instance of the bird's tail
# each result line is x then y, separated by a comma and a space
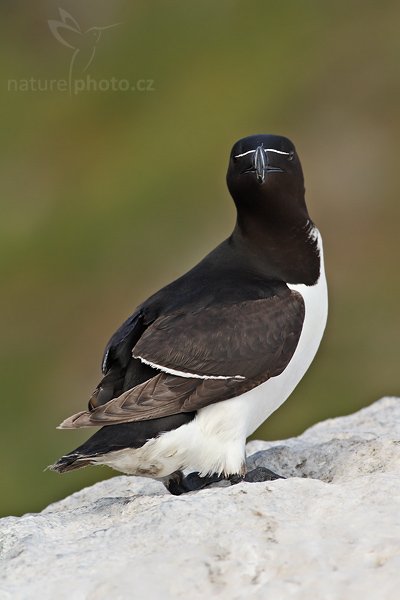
70, 462
118, 437
103, 441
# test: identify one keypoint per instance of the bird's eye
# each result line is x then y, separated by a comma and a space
291, 155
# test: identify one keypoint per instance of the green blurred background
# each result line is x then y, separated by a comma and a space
108, 195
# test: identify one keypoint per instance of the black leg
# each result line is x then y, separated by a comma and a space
178, 484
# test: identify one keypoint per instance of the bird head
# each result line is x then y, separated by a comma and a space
265, 172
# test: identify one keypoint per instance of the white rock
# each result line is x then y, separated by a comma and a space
331, 531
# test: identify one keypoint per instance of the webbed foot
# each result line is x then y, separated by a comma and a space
179, 484
261, 474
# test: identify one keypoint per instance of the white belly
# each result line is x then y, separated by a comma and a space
258, 404
214, 442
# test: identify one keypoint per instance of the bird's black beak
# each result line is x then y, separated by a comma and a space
261, 166
260, 163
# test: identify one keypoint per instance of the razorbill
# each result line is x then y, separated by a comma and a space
204, 361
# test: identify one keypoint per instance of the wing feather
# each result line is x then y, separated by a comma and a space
255, 340
238, 340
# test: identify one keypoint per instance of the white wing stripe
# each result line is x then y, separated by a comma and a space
182, 374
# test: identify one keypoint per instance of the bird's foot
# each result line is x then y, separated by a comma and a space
178, 483
254, 476
261, 474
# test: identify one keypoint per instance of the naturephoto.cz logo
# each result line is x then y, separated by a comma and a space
82, 44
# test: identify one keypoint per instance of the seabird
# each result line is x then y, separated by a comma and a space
203, 362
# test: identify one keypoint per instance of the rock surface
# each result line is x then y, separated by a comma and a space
330, 531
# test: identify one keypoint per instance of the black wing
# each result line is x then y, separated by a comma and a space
228, 350
122, 341
121, 371
240, 340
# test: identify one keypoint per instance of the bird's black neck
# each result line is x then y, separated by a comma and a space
279, 248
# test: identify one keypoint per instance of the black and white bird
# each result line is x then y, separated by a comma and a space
204, 361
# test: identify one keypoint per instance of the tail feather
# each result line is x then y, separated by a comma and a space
70, 462
116, 437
